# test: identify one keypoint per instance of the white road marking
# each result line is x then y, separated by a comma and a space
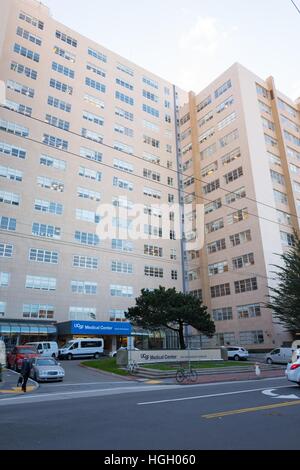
205, 396
270, 393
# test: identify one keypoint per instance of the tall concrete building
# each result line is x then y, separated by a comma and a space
97, 159
240, 142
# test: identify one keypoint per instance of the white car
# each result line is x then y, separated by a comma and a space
292, 371
237, 353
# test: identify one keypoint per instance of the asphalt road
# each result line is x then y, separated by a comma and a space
258, 414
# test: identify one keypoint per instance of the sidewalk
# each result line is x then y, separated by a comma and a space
9, 384
224, 377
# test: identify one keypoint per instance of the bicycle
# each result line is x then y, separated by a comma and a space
183, 374
132, 367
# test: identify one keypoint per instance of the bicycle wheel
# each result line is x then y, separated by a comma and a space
180, 376
193, 376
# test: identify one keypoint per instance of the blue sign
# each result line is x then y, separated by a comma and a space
100, 328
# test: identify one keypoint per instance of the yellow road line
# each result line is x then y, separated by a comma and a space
249, 410
153, 382
18, 390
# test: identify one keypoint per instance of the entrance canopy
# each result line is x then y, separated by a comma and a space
92, 328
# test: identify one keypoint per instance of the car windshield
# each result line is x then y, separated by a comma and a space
26, 351
67, 345
46, 362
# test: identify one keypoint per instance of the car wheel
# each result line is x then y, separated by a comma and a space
96, 356
69, 357
269, 361
236, 357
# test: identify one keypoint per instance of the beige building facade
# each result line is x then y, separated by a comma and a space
94, 181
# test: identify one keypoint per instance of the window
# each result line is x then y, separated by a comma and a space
90, 154
37, 311
22, 70
123, 148
283, 218
227, 121
2, 308
267, 124
277, 177
208, 151
63, 70
67, 39
10, 198
293, 153
97, 55
64, 54
53, 141
210, 187
262, 91
150, 96
51, 162
31, 20
152, 230
271, 141
122, 245
48, 207
152, 250
235, 196
206, 118
125, 69
124, 84
222, 314
123, 130
23, 51
152, 193
222, 89
287, 239
83, 314
150, 125
148, 109
43, 256
245, 285
95, 118
11, 174
206, 135
150, 82
96, 85
212, 206
264, 108
233, 175
229, 138
18, 108
93, 101
6, 250
150, 141
174, 275
88, 194
84, 287
122, 184
63, 87
243, 261
62, 105
203, 104
4, 279
40, 283
152, 271
292, 138
225, 104
240, 238
214, 225
149, 157
125, 98
248, 311
117, 315
97, 70
7, 223
216, 246
90, 174
280, 197
209, 169
43, 230
124, 114
119, 201
87, 238
53, 184
121, 291
87, 216
150, 174
56, 122
251, 337
220, 291
85, 262
237, 216
274, 159
121, 267
13, 128
217, 268
19, 88
90, 135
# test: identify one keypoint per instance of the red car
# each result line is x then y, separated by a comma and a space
16, 356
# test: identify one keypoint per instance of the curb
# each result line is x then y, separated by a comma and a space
112, 374
17, 390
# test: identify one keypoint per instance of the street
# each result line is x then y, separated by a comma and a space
120, 415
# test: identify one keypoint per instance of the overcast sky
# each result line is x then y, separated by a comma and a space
191, 45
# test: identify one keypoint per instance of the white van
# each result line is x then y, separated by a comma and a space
279, 356
2, 353
46, 348
82, 347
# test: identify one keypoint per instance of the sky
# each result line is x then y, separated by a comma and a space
191, 43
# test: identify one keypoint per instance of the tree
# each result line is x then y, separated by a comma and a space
285, 297
170, 309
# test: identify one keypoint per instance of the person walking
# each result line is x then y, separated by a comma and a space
25, 372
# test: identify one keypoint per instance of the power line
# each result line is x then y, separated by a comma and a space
201, 197
298, 10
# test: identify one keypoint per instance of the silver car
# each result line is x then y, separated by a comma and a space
46, 369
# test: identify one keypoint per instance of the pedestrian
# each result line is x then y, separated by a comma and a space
25, 372
257, 370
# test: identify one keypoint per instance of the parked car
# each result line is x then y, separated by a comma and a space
279, 356
18, 354
292, 371
82, 347
46, 369
122, 348
2, 354
46, 348
237, 353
